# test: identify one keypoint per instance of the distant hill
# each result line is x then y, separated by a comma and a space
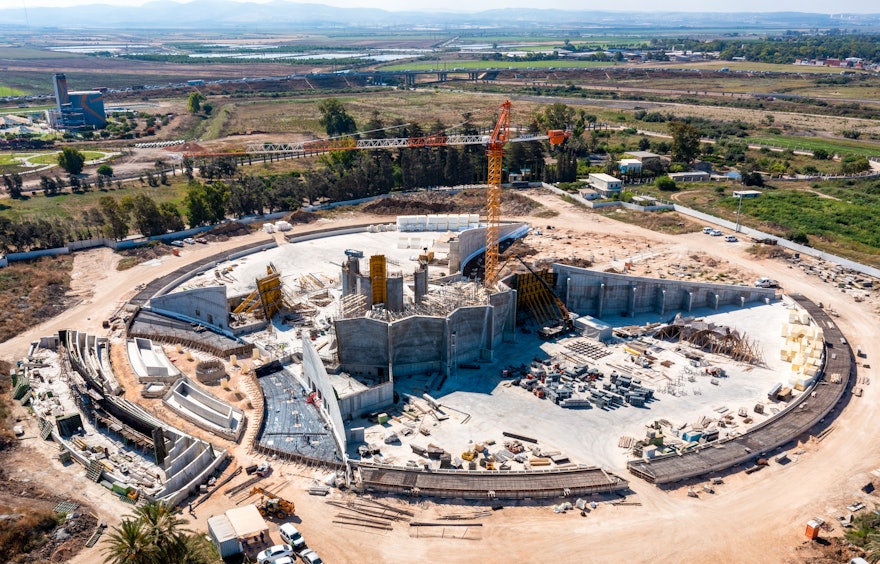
207, 14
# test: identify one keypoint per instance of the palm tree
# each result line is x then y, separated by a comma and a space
129, 543
159, 521
872, 547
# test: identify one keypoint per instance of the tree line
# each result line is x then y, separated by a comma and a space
219, 188
788, 48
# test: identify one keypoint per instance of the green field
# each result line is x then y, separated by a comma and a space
841, 147
52, 158
8, 91
750, 67
506, 64
69, 205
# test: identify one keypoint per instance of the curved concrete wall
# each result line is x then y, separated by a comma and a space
318, 381
472, 242
603, 294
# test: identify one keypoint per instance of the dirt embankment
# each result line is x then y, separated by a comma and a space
33, 292
466, 201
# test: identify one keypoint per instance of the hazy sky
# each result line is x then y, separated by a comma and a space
816, 6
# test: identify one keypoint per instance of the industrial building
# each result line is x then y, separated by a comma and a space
76, 110
605, 184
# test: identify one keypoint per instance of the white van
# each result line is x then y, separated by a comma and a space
292, 536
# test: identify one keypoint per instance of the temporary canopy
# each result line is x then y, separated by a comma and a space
247, 521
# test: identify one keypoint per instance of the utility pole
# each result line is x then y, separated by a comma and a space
738, 208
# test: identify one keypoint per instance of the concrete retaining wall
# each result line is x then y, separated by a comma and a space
602, 294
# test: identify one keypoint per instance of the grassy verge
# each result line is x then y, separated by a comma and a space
506, 64
52, 158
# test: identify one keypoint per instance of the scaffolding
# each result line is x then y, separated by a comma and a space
377, 278
714, 339
534, 297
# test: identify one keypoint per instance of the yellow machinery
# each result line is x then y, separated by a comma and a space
377, 278
272, 505
267, 294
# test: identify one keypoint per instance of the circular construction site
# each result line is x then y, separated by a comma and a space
373, 356
362, 353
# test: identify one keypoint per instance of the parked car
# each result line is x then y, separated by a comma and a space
716, 233
189, 241
766, 283
309, 556
292, 536
708, 230
731, 239
176, 243
274, 553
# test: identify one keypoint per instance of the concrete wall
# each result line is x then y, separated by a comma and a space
373, 399
503, 317
472, 329
394, 293
603, 294
417, 344
317, 381
363, 345
205, 305
472, 242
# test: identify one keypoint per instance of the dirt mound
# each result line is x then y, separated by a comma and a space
302, 217
405, 205
226, 230
137, 255
466, 201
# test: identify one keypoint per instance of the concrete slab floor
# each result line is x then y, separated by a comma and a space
590, 436
322, 257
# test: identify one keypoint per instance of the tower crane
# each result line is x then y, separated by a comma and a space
495, 152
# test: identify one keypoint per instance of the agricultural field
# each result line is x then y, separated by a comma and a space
837, 217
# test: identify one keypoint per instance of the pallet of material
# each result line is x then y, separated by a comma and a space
574, 403
560, 458
539, 461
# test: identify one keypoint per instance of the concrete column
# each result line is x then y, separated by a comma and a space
420, 286
662, 299
365, 288
601, 299
631, 307
394, 293
454, 255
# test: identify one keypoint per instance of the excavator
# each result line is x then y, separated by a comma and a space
272, 505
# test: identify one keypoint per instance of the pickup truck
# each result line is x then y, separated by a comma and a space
766, 283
